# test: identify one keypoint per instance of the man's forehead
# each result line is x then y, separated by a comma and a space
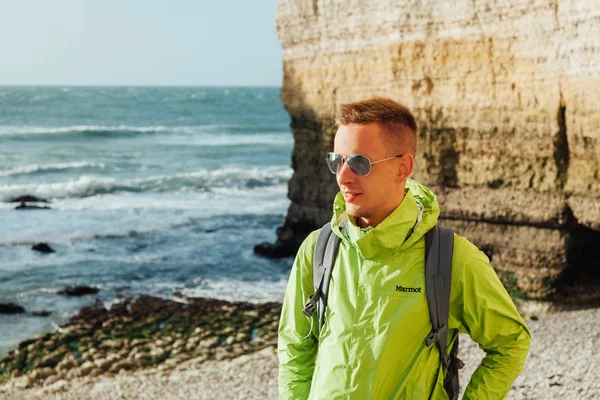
355, 138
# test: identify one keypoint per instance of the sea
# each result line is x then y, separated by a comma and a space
151, 190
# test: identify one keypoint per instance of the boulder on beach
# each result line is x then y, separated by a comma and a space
42, 248
11, 308
78, 290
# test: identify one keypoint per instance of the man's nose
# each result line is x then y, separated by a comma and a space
345, 174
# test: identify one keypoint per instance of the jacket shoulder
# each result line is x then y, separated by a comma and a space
466, 253
470, 267
305, 253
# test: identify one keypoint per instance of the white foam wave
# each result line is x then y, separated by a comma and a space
9, 130
28, 169
203, 180
133, 214
273, 139
238, 290
80, 187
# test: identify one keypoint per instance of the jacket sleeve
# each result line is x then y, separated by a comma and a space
296, 348
486, 312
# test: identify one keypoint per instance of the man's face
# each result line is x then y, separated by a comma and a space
369, 199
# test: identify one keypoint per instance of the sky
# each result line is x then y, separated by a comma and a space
135, 42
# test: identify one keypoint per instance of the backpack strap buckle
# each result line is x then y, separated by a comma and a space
311, 305
436, 335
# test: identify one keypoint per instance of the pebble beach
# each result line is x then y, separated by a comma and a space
562, 364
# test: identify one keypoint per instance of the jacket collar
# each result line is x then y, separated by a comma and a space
403, 227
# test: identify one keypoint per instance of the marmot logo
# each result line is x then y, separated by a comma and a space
408, 289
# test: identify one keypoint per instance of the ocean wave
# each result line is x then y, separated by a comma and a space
79, 130
223, 140
39, 168
84, 236
202, 180
34, 132
79, 229
232, 289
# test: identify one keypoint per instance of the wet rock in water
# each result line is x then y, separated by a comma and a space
42, 313
26, 198
42, 248
11, 308
78, 290
24, 206
275, 250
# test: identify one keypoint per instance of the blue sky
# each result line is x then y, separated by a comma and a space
134, 42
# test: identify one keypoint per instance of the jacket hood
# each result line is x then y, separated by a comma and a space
417, 213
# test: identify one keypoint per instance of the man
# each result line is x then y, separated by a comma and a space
372, 344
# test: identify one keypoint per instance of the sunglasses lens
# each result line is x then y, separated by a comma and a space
334, 162
359, 164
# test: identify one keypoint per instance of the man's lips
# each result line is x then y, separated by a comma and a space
349, 196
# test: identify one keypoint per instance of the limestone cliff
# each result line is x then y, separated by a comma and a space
507, 96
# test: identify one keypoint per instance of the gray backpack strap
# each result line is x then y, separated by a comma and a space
323, 259
439, 244
438, 276
328, 260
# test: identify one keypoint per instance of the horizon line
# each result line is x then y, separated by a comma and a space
137, 85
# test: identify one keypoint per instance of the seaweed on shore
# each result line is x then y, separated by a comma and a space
141, 333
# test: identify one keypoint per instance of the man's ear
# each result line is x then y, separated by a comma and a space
406, 168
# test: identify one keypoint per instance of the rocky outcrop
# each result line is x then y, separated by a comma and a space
141, 333
508, 105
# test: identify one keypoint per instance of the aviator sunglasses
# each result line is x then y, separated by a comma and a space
359, 164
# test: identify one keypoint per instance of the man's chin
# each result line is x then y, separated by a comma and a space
353, 210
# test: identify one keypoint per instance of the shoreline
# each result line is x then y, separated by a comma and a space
207, 348
141, 333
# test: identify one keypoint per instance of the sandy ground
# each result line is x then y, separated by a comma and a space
564, 363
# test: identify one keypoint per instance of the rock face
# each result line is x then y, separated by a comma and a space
507, 97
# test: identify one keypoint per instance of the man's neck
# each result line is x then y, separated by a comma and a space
361, 222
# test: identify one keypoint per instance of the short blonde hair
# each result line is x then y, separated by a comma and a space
395, 119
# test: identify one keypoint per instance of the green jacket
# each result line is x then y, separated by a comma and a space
372, 345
